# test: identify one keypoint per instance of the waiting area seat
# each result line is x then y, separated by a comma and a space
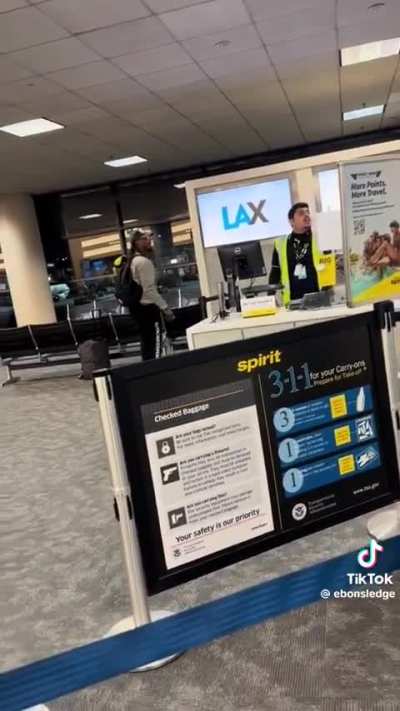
50, 344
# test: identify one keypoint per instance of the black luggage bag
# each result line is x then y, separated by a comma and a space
94, 356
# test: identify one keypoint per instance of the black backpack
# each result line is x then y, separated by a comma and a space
127, 290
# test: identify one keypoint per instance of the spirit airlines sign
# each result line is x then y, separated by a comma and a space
249, 212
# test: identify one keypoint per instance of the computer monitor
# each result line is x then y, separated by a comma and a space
244, 260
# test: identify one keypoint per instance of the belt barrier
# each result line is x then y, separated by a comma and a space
93, 663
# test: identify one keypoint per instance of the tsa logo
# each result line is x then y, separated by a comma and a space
244, 215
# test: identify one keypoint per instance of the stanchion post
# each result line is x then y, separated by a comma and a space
386, 524
122, 498
124, 513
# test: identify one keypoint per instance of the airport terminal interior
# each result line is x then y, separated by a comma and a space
212, 187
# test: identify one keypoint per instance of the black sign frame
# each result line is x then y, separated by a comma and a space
135, 385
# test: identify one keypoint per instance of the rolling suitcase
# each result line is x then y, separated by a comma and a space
94, 356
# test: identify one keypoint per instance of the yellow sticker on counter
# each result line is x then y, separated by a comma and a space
347, 465
338, 406
342, 436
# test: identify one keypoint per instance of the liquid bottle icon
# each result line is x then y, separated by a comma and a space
360, 404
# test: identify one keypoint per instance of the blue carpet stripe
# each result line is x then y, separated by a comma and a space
93, 663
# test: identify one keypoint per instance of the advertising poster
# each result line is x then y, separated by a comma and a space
208, 471
371, 208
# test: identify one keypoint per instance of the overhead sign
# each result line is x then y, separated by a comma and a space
252, 444
371, 205
246, 212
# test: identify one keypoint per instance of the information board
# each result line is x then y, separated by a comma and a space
236, 449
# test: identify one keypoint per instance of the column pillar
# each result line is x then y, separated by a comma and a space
24, 261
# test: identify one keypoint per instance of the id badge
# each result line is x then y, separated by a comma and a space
300, 271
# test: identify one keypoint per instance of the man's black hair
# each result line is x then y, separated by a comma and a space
296, 206
395, 224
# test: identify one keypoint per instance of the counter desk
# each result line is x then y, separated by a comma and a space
236, 328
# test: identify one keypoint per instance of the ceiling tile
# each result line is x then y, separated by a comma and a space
172, 77
27, 27
370, 30
159, 116
9, 71
236, 64
166, 5
78, 16
79, 117
356, 12
262, 9
195, 93
298, 24
367, 83
53, 56
48, 105
127, 108
87, 75
12, 114
209, 46
206, 18
361, 125
310, 46
246, 81
153, 60
114, 91
7, 5
34, 89
131, 36
315, 90
289, 69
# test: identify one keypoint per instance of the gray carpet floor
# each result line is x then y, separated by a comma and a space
63, 583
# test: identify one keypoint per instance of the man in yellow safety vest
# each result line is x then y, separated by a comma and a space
296, 258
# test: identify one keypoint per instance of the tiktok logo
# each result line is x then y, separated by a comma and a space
368, 557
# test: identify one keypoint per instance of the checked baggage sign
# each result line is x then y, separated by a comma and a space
239, 448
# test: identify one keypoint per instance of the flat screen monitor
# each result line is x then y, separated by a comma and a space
246, 212
244, 260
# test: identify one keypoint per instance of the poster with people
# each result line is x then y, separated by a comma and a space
371, 209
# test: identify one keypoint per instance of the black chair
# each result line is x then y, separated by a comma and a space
53, 338
184, 318
16, 343
126, 328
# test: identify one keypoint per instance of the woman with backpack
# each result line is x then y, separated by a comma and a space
138, 290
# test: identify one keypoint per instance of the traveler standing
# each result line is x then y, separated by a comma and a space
147, 311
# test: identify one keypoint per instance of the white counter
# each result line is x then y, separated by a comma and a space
235, 328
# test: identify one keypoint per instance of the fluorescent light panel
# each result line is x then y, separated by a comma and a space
369, 51
180, 185
92, 216
121, 162
31, 127
363, 113
132, 219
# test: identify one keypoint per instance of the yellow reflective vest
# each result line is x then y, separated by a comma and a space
281, 248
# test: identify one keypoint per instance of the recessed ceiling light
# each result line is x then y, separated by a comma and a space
133, 219
31, 127
179, 185
121, 162
371, 50
92, 216
362, 113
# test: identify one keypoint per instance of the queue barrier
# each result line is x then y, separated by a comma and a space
65, 673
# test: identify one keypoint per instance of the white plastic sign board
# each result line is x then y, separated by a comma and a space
208, 471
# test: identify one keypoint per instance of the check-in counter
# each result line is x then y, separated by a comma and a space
210, 332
